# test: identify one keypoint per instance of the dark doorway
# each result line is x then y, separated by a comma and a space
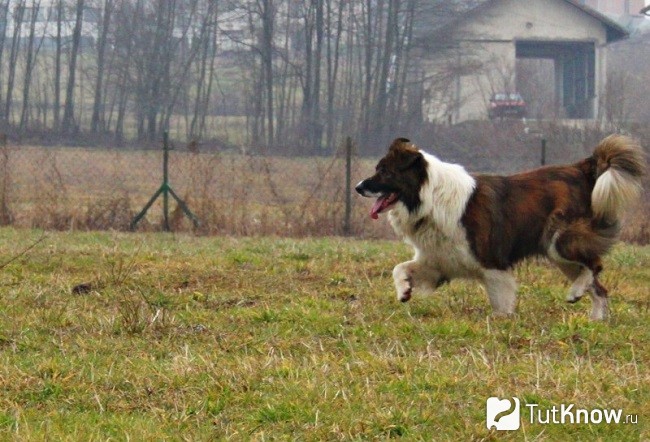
536, 83
574, 74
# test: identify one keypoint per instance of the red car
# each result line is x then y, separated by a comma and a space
503, 105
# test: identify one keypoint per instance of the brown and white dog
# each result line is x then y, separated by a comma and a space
463, 225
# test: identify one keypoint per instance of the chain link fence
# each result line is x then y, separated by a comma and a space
229, 192
240, 194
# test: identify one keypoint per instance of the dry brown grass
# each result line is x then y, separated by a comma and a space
231, 194
234, 194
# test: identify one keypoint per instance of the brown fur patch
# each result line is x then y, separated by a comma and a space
510, 218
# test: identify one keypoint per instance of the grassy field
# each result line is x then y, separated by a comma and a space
195, 338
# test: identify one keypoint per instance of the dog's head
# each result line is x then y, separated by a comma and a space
398, 178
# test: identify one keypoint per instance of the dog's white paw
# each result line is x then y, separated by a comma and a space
574, 296
404, 291
403, 283
579, 286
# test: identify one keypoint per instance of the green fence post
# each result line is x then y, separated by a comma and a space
166, 190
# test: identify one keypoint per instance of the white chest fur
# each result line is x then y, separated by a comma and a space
447, 252
435, 230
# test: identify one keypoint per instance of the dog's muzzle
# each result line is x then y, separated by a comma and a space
362, 189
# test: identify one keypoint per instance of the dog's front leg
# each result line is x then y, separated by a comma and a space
403, 277
410, 274
502, 291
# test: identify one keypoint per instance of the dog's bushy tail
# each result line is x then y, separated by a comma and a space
620, 164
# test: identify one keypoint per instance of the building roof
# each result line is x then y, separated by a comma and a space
467, 10
614, 30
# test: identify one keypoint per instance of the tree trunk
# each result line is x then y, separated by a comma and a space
68, 124
307, 91
387, 63
97, 119
316, 132
4, 11
402, 72
125, 23
19, 12
29, 64
268, 17
57, 65
203, 68
208, 89
332, 67
367, 84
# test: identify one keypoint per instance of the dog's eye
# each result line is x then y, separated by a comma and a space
385, 172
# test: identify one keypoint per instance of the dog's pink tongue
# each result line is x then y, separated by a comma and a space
379, 205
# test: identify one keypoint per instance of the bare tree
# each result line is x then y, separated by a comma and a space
308, 71
257, 59
68, 124
19, 12
127, 18
267, 15
313, 30
58, 42
97, 119
333, 62
208, 47
30, 56
4, 14
156, 52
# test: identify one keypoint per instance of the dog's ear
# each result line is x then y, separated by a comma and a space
399, 143
404, 153
410, 158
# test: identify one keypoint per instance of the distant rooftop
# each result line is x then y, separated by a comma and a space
634, 24
439, 17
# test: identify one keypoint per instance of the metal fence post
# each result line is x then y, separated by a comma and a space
165, 184
348, 185
166, 190
543, 151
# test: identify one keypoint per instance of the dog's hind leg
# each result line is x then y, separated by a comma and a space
502, 290
580, 276
577, 251
587, 280
599, 302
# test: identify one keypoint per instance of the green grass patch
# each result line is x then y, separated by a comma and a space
210, 338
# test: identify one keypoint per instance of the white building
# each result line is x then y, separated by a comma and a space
19, 15
480, 49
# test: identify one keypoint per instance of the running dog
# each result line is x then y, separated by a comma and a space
464, 225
